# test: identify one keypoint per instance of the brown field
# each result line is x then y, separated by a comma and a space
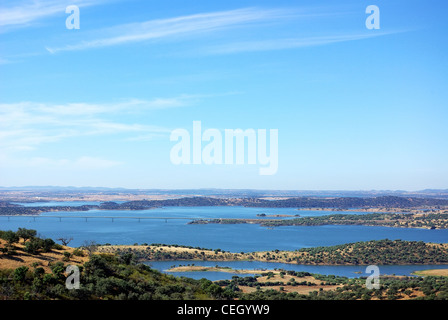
299, 289
282, 256
93, 196
302, 289
305, 289
43, 260
432, 272
219, 256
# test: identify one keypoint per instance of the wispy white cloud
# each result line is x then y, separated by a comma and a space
178, 26
26, 12
288, 43
183, 26
80, 163
26, 125
132, 105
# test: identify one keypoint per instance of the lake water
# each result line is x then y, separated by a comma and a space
234, 238
60, 203
344, 271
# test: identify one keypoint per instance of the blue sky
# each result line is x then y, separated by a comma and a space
354, 108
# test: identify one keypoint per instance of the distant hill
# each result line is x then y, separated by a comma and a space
6, 208
299, 202
246, 193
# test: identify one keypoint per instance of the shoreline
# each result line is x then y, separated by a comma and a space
214, 269
164, 252
260, 272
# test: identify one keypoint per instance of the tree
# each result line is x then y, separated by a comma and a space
26, 234
67, 255
65, 241
10, 236
58, 270
126, 258
32, 246
90, 246
39, 272
20, 273
47, 244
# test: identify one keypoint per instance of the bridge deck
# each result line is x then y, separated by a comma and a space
101, 217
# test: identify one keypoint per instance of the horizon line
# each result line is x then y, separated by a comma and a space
228, 189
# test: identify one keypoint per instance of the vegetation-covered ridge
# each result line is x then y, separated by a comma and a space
119, 276
296, 202
398, 220
7, 208
102, 276
293, 285
380, 252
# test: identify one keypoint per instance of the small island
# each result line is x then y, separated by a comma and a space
379, 252
397, 220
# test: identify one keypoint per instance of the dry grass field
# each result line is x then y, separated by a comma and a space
302, 289
275, 277
43, 259
432, 272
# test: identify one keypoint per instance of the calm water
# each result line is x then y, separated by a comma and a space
234, 238
345, 271
60, 203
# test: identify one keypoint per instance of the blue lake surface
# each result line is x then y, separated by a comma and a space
233, 237
344, 271
60, 203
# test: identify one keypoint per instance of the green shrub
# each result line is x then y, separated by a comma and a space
67, 256
38, 272
46, 244
78, 252
26, 234
20, 273
32, 246
57, 246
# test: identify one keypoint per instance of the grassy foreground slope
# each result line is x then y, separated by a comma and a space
40, 274
32, 268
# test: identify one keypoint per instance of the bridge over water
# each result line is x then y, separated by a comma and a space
112, 218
